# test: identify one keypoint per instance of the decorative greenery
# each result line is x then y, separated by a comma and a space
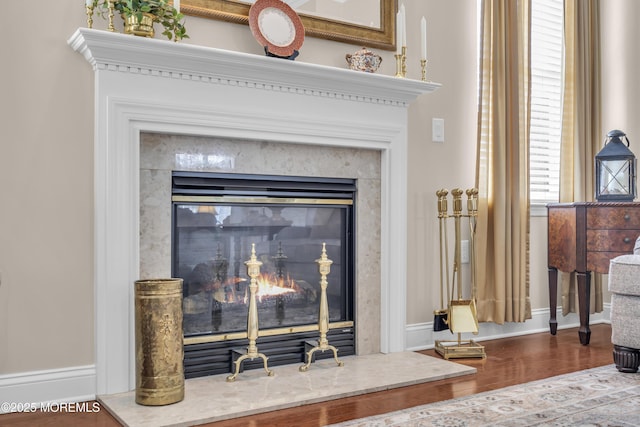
162, 10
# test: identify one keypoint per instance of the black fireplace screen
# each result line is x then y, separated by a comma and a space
216, 220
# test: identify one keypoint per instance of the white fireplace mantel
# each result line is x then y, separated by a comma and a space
152, 85
114, 51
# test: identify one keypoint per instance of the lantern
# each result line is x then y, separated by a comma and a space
615, 170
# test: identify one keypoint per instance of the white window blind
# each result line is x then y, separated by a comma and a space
546, 100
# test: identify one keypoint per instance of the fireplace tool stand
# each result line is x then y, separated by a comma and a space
253, 270
462, 315
324, 266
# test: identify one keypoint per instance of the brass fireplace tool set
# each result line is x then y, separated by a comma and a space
253, 270
460, 316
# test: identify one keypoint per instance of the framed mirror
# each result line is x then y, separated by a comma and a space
368, 23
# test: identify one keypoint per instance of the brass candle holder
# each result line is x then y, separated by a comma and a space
423, 68
324, 267
253, 270
398, 57
111, 7
404, 61
90, 16
401, 63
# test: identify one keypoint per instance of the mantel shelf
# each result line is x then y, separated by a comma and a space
110, 50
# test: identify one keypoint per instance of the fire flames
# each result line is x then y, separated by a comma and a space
270, 285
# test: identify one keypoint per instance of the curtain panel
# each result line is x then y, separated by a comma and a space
581, 116
502, 170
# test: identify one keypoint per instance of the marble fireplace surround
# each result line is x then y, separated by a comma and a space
159, 87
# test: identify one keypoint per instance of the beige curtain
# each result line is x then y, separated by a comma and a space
502, 170
581, 134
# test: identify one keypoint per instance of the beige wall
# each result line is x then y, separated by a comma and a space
46, 176
621, 60
46, 163
452, 61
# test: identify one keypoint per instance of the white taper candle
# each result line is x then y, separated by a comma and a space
399, 32
404, 25
423, 31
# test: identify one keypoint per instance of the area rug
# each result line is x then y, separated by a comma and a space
594, 397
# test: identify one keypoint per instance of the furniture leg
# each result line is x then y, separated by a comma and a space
553, 300
626, 359
584, 299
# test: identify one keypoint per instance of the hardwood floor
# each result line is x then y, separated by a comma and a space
509, 361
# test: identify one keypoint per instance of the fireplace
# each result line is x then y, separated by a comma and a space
216, 220
151, 86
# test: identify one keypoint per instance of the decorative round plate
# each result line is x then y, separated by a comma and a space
276, 26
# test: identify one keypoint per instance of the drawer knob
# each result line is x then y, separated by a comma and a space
627, 217
627, 240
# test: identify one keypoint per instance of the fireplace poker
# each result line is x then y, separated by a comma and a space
472, 209
457, 214
440, 315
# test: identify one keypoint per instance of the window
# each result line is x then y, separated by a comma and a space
546, 100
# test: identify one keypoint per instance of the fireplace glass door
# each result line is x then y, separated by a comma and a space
217, 218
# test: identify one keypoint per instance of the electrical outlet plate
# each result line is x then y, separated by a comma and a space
437, 130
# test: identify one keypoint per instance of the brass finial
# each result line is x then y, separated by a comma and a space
457, 201
442, 203
472, 201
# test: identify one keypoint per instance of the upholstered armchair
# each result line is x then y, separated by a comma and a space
624, 285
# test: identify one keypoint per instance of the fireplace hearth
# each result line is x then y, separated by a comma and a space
217, 219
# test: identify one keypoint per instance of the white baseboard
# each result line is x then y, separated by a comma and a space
421, 336
66, 385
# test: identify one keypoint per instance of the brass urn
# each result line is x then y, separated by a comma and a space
159, 341
139, 24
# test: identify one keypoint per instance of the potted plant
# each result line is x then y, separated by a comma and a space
140, 15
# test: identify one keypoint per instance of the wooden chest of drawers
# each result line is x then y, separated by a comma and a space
583, 238
611, 231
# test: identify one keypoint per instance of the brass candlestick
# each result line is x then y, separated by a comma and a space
111, 7
253, 270
401, 62
423, 67
90, 16
404, 61
398, 57
324, 266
